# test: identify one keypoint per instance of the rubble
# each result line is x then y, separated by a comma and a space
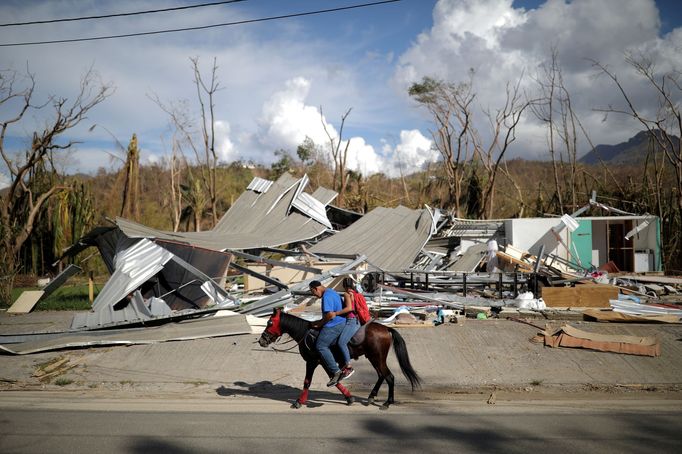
276, 238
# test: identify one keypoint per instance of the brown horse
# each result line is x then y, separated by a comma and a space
375, 346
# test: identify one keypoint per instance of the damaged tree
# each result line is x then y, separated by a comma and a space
200, 138
339, 156
22, 202
130, 207
450, 105
460, 144
665, 129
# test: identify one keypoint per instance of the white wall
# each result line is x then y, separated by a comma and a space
529, 234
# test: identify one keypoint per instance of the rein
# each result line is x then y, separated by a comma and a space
291, 339
290, 323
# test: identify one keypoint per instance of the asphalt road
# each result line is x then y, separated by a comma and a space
37, 423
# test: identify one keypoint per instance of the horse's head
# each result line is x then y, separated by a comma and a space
272, 330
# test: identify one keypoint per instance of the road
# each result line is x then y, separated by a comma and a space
37, 422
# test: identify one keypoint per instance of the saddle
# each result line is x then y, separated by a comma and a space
359, 336
357, 339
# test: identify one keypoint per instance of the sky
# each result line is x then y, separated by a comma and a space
275, 76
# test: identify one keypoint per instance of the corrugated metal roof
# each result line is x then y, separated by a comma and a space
259, 185
311, 207
324, 195
254, 220
391, 238
186, 330
134, 266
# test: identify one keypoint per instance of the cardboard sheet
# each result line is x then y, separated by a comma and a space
568, 336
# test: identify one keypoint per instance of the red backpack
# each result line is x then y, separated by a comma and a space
361, 309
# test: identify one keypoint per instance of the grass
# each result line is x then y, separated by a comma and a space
63, 381
536, 382
66, 298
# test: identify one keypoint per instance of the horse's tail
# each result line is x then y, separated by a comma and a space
404, 359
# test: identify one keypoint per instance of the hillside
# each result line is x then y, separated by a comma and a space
634, 151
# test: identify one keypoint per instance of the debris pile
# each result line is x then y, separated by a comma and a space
415, 267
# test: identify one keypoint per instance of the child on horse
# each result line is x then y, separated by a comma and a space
352, 323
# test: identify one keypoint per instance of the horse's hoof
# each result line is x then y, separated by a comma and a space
296, 405
350, 400
370, 401
384, 406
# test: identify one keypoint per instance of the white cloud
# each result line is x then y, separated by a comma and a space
501, 42
286, 120
362, 157
413, 153
4, 181
225, 147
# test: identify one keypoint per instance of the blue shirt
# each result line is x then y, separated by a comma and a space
331, 302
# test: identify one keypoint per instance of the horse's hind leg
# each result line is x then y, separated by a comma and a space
310, 367
384, 373
391, 382
375, 390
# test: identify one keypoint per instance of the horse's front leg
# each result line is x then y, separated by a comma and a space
310, 367
349, 397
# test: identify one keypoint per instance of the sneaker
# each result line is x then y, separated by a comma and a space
346, 372
335, 378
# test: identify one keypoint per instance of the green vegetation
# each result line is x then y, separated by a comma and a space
66, 298
61, 381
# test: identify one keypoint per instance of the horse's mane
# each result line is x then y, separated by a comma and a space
293, 325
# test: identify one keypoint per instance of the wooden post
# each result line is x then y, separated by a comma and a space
91, 288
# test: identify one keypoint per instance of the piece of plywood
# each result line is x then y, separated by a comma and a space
24, 304
586, 295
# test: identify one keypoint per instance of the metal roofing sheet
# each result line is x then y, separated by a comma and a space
254, 220
186, 330
134, 266
391, 238
311, 207
259, 185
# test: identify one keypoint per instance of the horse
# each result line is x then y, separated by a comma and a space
375, 345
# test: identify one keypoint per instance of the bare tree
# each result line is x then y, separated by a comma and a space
176, 163
21, 203
503, 133
545, 111
459, 142
664, 127
450, 106
130, 205
200, 138
339, 156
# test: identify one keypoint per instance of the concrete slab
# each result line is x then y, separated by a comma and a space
450, 358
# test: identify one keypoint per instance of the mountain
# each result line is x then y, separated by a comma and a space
633, 151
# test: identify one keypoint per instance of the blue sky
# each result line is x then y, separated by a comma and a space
276, 75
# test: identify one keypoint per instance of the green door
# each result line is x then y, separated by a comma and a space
581, 243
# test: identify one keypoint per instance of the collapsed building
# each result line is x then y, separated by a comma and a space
277, 237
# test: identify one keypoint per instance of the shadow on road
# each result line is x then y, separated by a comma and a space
283, 393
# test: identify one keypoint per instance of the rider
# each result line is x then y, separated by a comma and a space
351, 327
331, 326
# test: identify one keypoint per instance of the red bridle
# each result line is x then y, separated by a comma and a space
273, 327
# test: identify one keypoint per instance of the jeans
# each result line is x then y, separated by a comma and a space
349, 329
329, 335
